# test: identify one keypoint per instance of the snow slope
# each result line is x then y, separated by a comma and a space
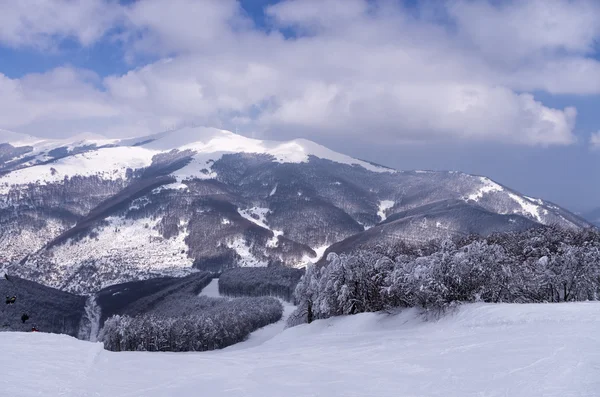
204, 140
119, 245
488, 186
383, 207
211, 290
107, 163
90, 323
482, 350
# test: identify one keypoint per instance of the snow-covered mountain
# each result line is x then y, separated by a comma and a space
87, 212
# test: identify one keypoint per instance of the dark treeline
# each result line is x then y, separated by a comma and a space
159, 295
117, 298
217, 323
48, 309
168, 315
545, 264
260, 281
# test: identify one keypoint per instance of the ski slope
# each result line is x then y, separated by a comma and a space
481, 350
259, 336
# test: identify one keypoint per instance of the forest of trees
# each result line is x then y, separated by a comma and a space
163, 295
48, 309
168, 315
260, 281
546, 264
218, 324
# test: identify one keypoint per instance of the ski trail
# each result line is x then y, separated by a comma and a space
211, 290
90, 323
259, 336
265, 333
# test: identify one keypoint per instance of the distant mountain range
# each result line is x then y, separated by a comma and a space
593, 216
87, 212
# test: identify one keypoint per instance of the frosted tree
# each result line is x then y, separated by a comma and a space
306, 295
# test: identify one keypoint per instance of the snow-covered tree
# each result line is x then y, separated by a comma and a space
537, 265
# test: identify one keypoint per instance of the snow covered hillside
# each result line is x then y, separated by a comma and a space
528, 350
87, 212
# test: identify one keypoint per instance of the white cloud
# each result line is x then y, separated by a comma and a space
595, 140
184, 25
515, 30
61, 94
356, 69
311, 16
40, 23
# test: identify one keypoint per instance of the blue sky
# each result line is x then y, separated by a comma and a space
106, 57
506, 89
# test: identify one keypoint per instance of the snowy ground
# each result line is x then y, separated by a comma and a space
482, 350
211, 290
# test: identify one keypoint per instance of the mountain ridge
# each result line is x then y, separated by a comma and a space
81, 215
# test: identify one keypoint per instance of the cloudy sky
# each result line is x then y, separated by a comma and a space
507, 89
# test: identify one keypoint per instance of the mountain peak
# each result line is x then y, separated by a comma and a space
16, 138
208, 140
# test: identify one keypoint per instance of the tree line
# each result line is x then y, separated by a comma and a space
219, 324
260, 281
545, 264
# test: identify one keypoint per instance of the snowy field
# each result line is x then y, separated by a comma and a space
481, 350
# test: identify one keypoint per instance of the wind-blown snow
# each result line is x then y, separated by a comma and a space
488, 187
529, 350
383, 207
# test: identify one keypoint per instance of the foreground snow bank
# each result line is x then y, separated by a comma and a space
481, 350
